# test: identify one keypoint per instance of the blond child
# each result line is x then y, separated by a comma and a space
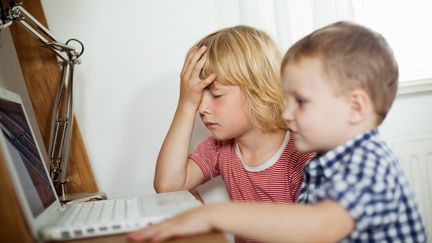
344, 78
231, 77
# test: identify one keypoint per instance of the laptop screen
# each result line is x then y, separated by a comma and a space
26, 157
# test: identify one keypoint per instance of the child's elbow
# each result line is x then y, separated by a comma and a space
161, 186
332, 234
335, 226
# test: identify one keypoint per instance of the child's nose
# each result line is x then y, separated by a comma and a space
204, 105
288, 113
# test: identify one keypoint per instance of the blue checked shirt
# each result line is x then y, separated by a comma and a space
365, 177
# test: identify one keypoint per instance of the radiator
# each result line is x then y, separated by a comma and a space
415, 154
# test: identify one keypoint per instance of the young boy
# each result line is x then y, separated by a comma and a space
340, 82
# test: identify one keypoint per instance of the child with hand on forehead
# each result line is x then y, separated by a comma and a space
340, 82
232, 79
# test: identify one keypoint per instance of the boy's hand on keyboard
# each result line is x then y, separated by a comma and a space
193, 222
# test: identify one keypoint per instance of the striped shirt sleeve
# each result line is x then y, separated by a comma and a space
206, 157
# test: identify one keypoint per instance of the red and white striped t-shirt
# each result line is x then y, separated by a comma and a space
277, 180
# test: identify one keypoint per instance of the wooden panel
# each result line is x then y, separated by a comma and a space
41, 72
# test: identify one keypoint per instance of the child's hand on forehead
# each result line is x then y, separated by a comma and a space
191, 86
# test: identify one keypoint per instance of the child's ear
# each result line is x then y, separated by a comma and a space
360, 106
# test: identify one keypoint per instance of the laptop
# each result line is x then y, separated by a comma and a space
46, 217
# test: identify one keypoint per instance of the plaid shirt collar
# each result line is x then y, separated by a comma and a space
329, 163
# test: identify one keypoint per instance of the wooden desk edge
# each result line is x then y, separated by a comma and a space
214, 237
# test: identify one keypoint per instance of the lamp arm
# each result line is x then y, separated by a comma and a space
25, 19
62, 117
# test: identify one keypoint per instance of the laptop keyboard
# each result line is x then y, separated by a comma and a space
101, 212
80, 220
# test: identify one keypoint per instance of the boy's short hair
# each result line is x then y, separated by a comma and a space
248, 58
352, 56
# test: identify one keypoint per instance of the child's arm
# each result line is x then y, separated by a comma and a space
326, 221
173, 169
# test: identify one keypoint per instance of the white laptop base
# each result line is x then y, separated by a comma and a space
115, 216
46, 217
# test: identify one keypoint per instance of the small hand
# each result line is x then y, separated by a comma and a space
191, 86
192, 222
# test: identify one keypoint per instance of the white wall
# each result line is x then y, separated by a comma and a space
127, 85
411, 114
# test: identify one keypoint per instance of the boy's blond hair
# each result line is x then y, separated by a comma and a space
248, 58
352, 56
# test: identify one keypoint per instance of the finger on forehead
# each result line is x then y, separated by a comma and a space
198, 54
193, 60
190, 54
199, 65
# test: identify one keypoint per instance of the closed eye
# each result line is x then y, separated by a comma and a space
300, 101
215, 95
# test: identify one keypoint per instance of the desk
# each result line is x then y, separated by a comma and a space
207, 238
